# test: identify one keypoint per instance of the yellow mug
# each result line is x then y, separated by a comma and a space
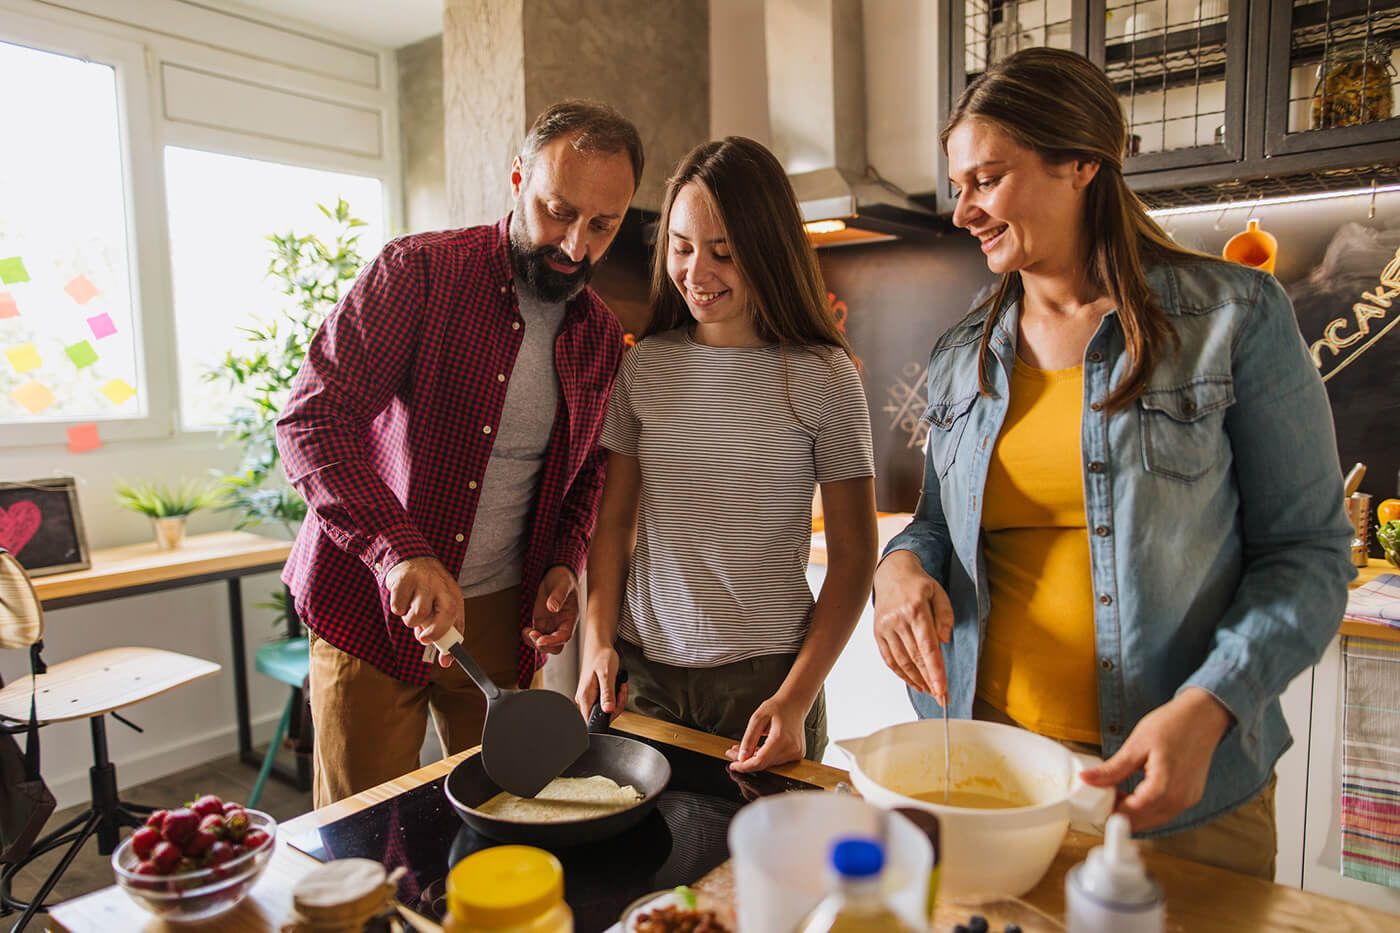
1254, 248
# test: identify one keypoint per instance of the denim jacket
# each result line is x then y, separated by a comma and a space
1219, 549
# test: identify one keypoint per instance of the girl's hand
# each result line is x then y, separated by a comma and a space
596, 678
782, 721
912, 615
1172, 746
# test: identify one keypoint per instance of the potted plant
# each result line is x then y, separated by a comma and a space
167, 506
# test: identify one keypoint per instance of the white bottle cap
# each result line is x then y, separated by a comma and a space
1114, 872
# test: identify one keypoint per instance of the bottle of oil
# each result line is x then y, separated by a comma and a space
856, 903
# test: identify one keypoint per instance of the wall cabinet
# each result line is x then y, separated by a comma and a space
1225, 99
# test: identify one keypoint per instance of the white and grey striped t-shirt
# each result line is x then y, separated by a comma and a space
728, 472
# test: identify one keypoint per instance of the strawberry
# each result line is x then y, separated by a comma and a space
157, 819
179, 825
255, 839
236, 823
143, 842
147, 868
208, 804
213, 823
166, 856
199, 843
220, 852
230, 806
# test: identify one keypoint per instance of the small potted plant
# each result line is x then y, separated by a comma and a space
167, 507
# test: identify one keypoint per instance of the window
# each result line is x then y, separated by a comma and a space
221, 210
68, 325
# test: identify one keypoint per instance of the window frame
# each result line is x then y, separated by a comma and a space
145, 133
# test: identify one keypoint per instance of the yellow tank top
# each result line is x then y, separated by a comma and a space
1037, 662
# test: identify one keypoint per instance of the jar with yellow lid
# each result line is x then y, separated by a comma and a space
507, 889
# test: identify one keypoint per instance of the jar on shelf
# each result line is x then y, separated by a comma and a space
1353, 84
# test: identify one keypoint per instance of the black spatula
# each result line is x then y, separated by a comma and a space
530, 737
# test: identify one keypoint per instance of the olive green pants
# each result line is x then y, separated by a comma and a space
718, 700
1244, 840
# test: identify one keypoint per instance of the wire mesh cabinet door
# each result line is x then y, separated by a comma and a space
1179, 67
978, 33
1332, 74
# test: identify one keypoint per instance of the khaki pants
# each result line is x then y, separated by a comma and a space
717, 700
370, 726
1245, 840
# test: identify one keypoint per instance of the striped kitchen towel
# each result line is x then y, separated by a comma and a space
1376, 601
1371, 761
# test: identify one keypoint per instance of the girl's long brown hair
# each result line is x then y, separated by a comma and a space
755, 202
1060, 105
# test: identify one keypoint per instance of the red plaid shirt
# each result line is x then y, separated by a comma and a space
391, 421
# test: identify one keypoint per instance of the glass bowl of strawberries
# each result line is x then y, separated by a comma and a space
196, 861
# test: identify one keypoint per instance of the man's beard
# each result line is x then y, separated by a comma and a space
547, 285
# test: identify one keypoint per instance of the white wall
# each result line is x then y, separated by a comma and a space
233, 83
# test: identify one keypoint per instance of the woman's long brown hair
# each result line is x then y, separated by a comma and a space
755, 202
1062, 106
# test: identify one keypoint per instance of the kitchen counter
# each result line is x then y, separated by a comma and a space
1361, 627
1199, 898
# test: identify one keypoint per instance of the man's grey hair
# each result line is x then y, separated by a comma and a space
595, 126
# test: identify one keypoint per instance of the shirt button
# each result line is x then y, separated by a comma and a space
1106, 664
459, 537
1095, 466
1188, 407
486, 429
1096, 357
1105, 599
504, 289
514, 325
1096, 406
1113, 728
500, 377
471, 485
1101, 531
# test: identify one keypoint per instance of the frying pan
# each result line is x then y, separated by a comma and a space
624, 760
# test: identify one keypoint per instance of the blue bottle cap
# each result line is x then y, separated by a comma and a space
857, 858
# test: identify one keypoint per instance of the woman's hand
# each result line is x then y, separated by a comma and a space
1172, 746
596, 678
782, 720
912, 615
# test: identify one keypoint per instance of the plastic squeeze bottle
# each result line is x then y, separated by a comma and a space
1111, 890
856, 903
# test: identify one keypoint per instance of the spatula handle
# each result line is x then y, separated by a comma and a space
451, 643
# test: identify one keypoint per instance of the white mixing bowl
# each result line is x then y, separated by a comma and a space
986, 854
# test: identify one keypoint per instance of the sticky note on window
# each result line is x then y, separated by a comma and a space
8, 307
81, 289
23, 357
12, 270
83, 437
81, 353
101, 325
117, 391
34, 396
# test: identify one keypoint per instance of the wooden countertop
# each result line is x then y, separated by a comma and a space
1199, 898
137, 566
1361, 627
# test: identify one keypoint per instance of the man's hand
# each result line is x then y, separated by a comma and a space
426, 598
1173, 746
556, 611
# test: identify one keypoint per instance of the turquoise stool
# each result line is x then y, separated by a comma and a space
287, 661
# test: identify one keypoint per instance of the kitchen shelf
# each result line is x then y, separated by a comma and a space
1237, 190
1179, 58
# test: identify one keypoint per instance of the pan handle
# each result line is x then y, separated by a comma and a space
598, 721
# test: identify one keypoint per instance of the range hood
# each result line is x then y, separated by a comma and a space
815, 55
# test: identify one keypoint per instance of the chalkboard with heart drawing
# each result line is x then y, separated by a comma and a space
40, 524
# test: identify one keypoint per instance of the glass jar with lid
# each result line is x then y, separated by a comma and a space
1353, 84
507, 889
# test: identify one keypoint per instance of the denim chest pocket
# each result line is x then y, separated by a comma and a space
947, 420
1183, 427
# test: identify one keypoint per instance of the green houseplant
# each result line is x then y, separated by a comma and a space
167, 506
312, 274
